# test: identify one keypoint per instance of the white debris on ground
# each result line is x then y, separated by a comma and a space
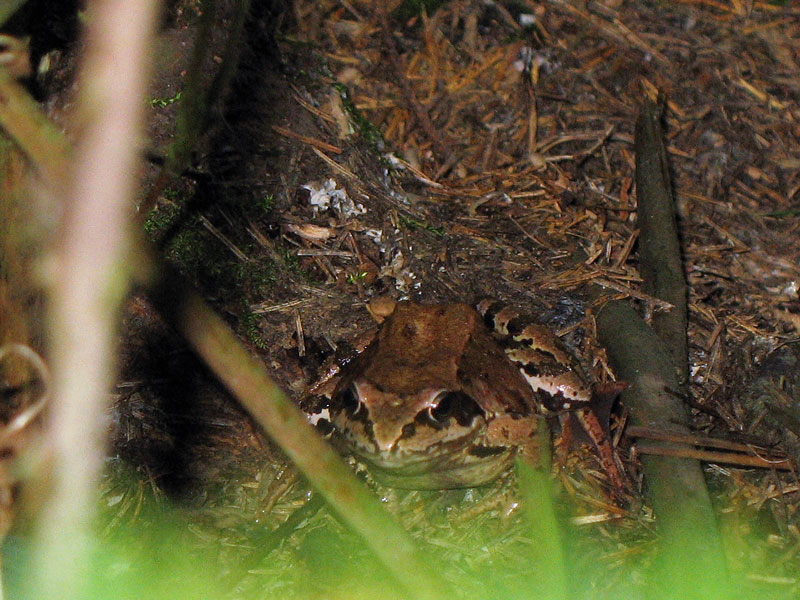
327, 195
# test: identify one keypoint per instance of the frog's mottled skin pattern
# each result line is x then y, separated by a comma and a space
434, 401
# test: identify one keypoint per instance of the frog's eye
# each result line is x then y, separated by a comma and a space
349, 402
453, 405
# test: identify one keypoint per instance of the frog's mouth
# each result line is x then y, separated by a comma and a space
443, 445
467, 466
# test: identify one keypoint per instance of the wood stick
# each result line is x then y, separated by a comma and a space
660, 263
652, 433
742, 460
676, 487
91, 281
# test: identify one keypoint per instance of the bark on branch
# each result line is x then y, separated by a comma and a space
692, 562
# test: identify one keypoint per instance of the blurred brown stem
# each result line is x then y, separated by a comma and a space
36, 135
91, 280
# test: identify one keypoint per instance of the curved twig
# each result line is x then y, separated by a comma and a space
29, 413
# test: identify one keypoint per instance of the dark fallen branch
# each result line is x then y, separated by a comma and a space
653, 364
660, 261
675, 487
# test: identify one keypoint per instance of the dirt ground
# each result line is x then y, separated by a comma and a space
471, 150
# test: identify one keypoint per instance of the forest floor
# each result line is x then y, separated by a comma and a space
476, 150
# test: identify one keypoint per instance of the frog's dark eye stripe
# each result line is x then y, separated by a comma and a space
488, 309
349, 401
462, 407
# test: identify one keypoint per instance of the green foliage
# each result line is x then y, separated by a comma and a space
411, 223
267, 203
163, 102
548, 552
355, 278
154, 557
144, 547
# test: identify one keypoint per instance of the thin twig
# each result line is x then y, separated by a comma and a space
307, 140
440, 146
741, 460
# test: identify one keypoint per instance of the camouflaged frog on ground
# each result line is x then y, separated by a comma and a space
443, 396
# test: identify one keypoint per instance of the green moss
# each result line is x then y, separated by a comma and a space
193, 250
163, 216
256, 277
290, 260
251, 323
363, 126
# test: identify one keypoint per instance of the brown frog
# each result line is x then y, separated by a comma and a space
433, 401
